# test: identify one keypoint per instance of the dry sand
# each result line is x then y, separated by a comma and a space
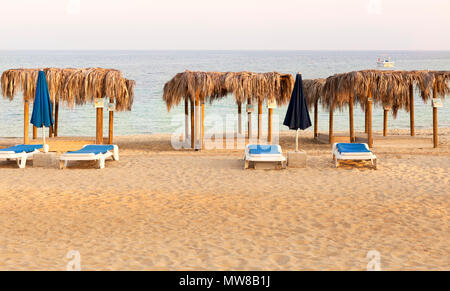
160, 209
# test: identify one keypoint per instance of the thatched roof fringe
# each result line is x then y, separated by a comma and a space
388, 88
215, 85
72, 86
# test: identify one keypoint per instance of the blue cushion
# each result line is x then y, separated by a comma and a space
263, 150
29, 148
94, 149
352, 148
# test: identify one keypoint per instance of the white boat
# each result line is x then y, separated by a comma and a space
385, 62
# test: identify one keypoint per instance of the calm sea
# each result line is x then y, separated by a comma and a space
151, 69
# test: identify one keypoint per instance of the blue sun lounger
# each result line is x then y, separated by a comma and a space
91, 153
21, 153
264, 154
353, 151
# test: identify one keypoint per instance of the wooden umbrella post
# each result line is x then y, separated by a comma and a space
186, 119
331, 126
26, 119
203, 125
192, 125
385, 123
249, 113
435, 118
50, 129
111, 123
55, 133
269, 136
350, 112
369, 120
316, 118
197, 119
240, 118
99, 133
259, 120
411, 110
34, 132
366, 126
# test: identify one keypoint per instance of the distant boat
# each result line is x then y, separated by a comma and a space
385, 62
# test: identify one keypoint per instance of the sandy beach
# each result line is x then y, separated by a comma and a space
161, 209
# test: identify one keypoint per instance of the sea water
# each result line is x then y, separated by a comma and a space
152, 69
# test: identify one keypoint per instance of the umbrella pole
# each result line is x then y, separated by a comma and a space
296, 141
259, 120
411, 110
269, 137
26, 119
435, 118
43, 137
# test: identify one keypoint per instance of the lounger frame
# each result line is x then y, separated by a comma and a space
101, 158
264, 158
21, 158
338, 156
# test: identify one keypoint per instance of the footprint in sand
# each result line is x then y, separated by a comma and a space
281, 260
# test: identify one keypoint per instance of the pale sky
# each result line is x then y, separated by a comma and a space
225, 24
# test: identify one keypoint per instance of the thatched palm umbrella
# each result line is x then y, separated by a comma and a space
390, 89
72, 86
210, 86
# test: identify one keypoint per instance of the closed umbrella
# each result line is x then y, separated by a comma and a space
297, 115
42, 107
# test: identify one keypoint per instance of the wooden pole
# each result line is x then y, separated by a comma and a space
435, 118
111, 124
331, 126
34, 132
197, 117
192, 125
366, 126
316, 119
269, 136
385, 123
55, 133
411, 110
203, 124
369, 120
240, 118
99, 133
350, 112
259, 120
250, 136
50, 129
26, 119
186, 119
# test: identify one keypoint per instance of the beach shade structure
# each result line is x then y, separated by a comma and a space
72, 87
297, 115
197, 88
42, 107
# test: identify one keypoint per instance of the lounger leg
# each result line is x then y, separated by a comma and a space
374, 163
116, 154
337, 163
23, 162
62, 165
283, 165
101, 163
246, 165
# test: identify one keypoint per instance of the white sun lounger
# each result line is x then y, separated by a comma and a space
354, 152
264, 154
21, 153
91, 153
